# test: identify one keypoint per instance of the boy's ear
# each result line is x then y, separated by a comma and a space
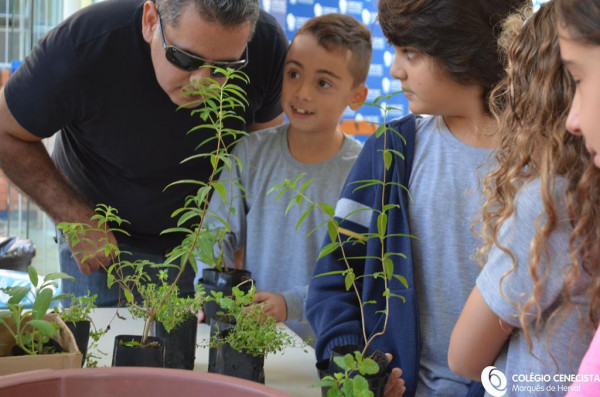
360, 95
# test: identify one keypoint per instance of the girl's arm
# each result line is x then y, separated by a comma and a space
477, 338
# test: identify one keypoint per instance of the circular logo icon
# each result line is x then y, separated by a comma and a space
494, 381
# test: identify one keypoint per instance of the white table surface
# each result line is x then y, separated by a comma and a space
292, 370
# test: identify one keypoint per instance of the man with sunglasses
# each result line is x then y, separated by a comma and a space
109, 79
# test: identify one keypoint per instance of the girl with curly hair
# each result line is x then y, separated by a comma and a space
529, 312
579, 40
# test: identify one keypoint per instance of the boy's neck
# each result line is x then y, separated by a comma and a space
476, 130
311, 148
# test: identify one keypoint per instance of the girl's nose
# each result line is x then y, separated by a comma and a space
572, 123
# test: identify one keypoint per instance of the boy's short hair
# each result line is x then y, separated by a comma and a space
339, 32
460, 35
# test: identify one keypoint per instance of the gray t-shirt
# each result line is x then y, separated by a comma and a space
566, 343
446, 198
280, 256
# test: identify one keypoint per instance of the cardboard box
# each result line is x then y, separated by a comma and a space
13, 364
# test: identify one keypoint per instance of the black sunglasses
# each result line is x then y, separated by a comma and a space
189, 62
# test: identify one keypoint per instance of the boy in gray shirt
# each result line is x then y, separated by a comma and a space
325, 70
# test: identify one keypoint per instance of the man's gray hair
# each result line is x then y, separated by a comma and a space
225, 12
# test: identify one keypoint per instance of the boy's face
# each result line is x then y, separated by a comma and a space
317, 86
583, 62
429, 89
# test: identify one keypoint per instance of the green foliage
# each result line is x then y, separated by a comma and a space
31, 331
178, 310
80, 308
204, 229
352, 381
254, 332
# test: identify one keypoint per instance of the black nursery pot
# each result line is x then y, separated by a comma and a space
226, 361
81, 332
180, 344
151, 355
376, 382
213, 280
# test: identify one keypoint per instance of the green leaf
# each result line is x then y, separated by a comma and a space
41, 304
382, 221
303, 217
387, 159
332, 230
402, 280
388, 267
328, 249
128, 295
368, 366
58, 276
45, 327
328, 209
360, 386
17, 294
331, 273
220, 189
349, 280
33, 276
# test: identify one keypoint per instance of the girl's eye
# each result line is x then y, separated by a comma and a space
324, 84
293, 74
410, 54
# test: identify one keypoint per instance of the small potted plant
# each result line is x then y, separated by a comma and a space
358, 370
143, 297
177, 323
242, 335
32, 338
77, 317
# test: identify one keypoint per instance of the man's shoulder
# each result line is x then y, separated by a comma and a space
267, 22
100, 19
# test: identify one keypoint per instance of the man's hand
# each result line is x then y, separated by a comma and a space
272, 304
395, 384
89, 253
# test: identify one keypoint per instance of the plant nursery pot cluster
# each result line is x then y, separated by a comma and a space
225, 360
213, 280
147, 382
70, 357
376, 382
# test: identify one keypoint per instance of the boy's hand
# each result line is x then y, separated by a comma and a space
395, 384
272, 304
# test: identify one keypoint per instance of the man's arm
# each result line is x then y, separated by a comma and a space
26, 162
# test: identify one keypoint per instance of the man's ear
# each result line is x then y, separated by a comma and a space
360, 95
149, 20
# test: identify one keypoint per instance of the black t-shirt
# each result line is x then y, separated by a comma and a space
121, 139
